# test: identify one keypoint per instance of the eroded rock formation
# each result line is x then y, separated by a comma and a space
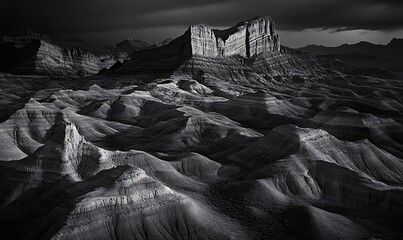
38, 54
249, 38
281, 145
246, 39
48, 58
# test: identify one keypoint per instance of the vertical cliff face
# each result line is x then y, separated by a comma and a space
232, 41
203, 41
246, 39
261, 36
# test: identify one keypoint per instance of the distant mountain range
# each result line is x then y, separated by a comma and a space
130, 46
365, 54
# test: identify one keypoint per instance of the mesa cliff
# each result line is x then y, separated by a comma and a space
246, 40
251, 47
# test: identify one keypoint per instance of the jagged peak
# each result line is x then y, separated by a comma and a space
63, 131
33, 102
61, 153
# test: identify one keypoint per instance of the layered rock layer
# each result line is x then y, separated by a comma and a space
41, 56
248, 38
48, 58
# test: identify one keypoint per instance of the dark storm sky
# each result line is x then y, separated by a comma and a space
300, 22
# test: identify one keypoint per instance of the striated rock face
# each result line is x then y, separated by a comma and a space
202, 41
41, 56
48, 58
246, 39
95, 48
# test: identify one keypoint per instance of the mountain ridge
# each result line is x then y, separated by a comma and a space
33, 53
386, 56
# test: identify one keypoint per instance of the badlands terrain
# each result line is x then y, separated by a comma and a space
217, 134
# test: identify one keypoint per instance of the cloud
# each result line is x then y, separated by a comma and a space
57, 17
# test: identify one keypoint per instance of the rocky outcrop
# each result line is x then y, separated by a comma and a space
40, 56
202, 41
95, 48
246, 39
48, 58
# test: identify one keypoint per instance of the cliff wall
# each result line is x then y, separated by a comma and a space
246, 39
